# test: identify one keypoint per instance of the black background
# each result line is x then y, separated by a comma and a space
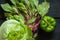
54, 11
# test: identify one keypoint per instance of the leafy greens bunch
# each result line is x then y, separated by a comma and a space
28, 12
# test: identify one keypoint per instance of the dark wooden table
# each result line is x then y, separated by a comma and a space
54, 12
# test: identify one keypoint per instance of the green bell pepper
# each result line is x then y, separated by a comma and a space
48, 23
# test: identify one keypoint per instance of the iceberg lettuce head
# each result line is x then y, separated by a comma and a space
14, 30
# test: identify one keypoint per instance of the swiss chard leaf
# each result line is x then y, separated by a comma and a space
43, 8
15, 9
14, 1
7, 14
21, 6
35, 2
31, 20
6, 7
31, 3
26, 2
19, 18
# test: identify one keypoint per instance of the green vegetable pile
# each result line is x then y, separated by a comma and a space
28, 12
23, 18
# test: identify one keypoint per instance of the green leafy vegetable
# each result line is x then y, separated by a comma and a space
26, 11
26, 2
31, 20
14, 30
15, 2
6, 7
22, 6
43, 8
19, 18
15, 9
35, 2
